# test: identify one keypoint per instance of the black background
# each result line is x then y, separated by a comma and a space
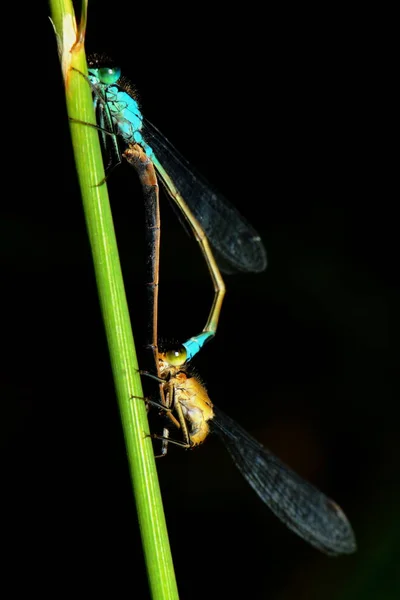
283, 112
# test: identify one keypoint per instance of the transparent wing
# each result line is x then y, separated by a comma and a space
301, 506
238, 246
109, 144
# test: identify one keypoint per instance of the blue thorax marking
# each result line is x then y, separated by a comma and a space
124, 111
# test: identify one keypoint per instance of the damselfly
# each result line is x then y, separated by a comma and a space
212, 219
302, 507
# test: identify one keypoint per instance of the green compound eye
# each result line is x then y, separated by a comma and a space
176, 357
109, 75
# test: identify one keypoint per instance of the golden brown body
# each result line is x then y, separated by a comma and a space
188, 400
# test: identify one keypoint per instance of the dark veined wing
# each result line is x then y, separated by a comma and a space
109, 143
301, 506
238, 246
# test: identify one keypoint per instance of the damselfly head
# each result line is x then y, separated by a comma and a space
103, 68
103, 71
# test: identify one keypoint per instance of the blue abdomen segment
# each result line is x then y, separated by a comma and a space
194, 344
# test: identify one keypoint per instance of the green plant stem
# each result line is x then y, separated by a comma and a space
114, 307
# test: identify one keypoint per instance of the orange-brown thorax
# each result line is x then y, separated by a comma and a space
188, 397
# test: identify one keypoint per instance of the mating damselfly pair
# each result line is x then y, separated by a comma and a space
228, 243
